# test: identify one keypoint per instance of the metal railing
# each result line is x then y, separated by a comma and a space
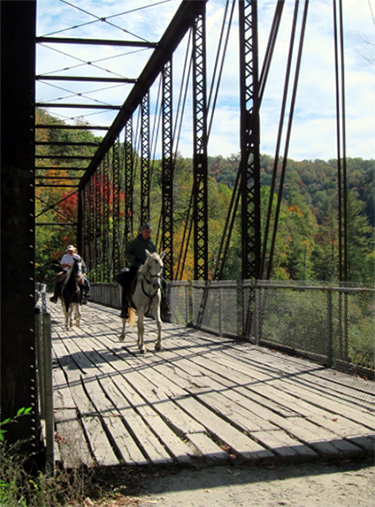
44, 371
330, 323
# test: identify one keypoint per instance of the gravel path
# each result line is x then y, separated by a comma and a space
307, 485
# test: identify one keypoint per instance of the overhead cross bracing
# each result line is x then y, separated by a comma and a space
146, 133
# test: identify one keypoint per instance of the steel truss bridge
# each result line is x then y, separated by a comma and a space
125, 153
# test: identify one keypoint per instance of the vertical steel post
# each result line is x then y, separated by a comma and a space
145, 158
18, 355
48, 401
86, 226
98, 219
329, 328
116, 207
80, 221
105, 220
250, 157
167, 175
200, 147
92, 226
250, 138
129, 164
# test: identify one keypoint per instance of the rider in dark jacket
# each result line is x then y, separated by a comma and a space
135, 253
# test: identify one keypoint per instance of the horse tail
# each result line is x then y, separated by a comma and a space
132, 314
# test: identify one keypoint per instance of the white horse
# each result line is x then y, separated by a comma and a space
146, 298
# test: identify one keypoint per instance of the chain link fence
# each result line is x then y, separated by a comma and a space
330, 323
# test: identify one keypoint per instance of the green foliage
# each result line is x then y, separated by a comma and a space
307, 238
20, 412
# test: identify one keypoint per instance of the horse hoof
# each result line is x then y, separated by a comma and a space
121, 337
143, 351
157, 347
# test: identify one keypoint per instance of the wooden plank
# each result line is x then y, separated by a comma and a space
104, 405
232, 412
358, 390
241, 445
144, 437
207, 449
73, 375
209, 391
100, 446
62, 397
250, 450
71, 440
286, 447
296, 396
312, 412
174, 445
181, 423
220, 375
276, 361
321, 440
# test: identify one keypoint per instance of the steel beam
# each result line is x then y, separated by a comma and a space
200, 149
167, 174
116, 208
18, 338
128, 180
250, 157
97, 42
43, 143
87, 79
59, 224
72, 127
250, 165
145, 158
76, 106
173, 35
98, 179
59, 169
85, 247
92, 250
105, 219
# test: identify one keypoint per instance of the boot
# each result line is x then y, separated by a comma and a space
124, 313
164, 310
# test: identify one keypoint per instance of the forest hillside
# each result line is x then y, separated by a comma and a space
307, 238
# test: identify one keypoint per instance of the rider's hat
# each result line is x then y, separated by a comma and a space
145, 226
70, 247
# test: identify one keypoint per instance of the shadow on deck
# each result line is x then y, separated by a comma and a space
202, 400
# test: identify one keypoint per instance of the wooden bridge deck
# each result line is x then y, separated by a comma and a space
202, 399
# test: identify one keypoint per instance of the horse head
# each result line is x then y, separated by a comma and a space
153, 268
75, 271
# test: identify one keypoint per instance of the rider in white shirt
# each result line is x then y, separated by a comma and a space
65, 263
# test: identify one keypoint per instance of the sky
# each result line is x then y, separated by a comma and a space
313, 134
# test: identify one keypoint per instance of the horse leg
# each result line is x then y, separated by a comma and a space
156, 314
141, 329
71, 315
77, 315
66, 314
122, 335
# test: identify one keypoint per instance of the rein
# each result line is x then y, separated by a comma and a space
149, 282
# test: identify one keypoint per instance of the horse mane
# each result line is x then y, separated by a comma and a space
73, 268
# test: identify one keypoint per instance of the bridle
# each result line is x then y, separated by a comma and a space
151, 282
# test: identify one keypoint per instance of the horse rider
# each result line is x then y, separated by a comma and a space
66, 261
135, 253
